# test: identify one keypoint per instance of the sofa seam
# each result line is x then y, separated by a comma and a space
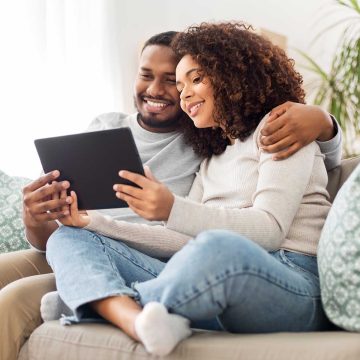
85, 345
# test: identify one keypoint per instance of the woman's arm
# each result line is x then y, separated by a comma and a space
156, 241
279, 193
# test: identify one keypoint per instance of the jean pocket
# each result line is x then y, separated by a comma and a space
302, 263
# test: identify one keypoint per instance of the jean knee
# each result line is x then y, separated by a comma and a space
220, 240
64, 241
224, 246
58, 238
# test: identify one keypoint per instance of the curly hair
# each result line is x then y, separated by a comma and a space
249, 76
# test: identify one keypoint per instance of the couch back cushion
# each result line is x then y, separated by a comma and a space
338, 175
339, 255
11, 227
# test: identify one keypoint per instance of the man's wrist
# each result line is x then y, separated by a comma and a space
329, 130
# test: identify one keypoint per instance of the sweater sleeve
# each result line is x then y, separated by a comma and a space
279, 192
196, 192
156, 241
332, 149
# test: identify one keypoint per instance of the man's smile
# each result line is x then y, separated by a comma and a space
155, 105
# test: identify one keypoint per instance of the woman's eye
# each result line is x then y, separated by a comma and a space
197, 80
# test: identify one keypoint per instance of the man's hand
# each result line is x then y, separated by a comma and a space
152, 201
75, 217
292, 126
39, 206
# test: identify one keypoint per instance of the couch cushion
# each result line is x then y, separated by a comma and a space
339, 256
11, 226
338, 175
100, 341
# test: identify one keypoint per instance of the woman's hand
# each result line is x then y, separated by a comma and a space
292, 126
152, 201
74, 217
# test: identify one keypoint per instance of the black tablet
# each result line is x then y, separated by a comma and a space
91, 163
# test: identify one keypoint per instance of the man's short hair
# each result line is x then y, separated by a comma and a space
164, 38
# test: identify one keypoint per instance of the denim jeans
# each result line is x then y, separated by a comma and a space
218, 275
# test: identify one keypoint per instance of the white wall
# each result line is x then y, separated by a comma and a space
102, 39
299, 21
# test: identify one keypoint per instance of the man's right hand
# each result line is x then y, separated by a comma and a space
40, 209
39, 205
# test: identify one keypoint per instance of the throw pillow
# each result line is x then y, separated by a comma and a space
11, 227
339, 257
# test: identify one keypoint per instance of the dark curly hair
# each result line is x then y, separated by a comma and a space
164, 39
249, 76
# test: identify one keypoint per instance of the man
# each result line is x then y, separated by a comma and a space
161, 147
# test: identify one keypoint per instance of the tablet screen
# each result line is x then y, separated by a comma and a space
91, 163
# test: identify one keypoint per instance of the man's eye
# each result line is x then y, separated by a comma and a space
145, 76
171, 81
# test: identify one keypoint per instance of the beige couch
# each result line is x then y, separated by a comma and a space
99, 341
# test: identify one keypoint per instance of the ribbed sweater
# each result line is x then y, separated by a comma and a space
277, 204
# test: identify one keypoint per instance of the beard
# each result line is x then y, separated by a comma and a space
170, 123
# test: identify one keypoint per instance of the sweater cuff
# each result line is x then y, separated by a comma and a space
334, 143
96, 220
182, 215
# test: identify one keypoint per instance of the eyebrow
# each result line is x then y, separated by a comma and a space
187, 74
149, 70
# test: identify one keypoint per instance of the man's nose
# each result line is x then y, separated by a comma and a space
155, 89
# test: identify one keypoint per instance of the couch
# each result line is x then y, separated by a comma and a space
104, 341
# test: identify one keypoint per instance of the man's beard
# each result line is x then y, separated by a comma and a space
156, 124
171, 123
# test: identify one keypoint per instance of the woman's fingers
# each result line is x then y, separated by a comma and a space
129, 190
137, 179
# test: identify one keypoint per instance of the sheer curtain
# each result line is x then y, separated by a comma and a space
57, 72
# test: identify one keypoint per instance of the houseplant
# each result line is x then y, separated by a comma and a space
338, 90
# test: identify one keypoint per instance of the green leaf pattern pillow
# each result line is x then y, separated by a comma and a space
11, 227
339, 257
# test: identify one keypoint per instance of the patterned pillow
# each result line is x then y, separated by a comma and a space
339, 257
11, 226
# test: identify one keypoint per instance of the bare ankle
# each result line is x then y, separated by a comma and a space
120, 311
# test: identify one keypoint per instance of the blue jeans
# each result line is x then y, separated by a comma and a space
219, 275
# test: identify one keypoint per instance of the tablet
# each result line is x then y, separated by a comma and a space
91, 163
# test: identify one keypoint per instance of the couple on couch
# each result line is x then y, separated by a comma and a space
155, 281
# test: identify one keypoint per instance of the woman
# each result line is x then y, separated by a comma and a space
259, 277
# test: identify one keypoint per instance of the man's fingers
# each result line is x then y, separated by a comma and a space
41, 181
49, 216
275, 125
274, 114
282, 107
45, 191
279, 146
55, 196
50, 205
275, 137
288, 152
